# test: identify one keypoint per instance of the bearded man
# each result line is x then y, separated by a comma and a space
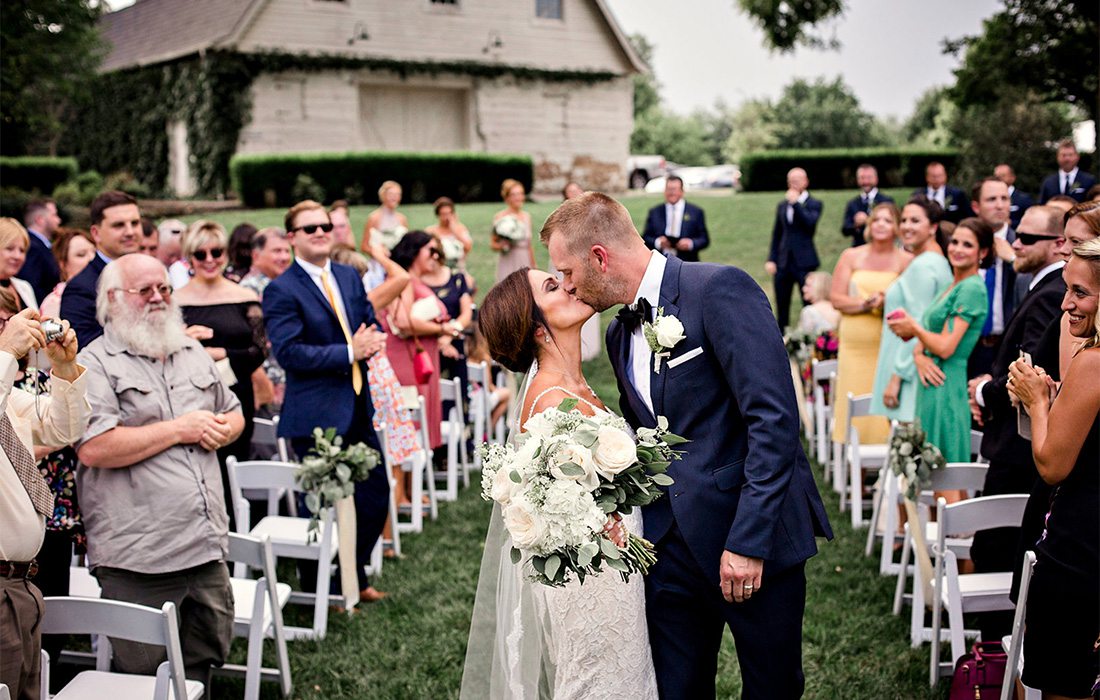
148, 482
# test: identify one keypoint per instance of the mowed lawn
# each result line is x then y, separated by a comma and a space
412, 644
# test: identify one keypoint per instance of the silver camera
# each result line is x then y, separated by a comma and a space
53, 329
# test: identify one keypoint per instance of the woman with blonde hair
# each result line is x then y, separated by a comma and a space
14, 242
511, 235
818, 314
385, 224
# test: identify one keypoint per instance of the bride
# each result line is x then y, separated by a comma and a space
529, 641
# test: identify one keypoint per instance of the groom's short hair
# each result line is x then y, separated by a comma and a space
587, 220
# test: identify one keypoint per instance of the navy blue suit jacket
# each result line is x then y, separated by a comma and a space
855, 205
309, 345
744, 483
40, 269
1052, 186
693, 226
957, 203
792, 246
78, 302
1019, 203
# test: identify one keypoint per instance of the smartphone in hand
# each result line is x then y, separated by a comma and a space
1023, 420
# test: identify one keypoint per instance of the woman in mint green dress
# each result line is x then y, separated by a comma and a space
945, 336
894, 394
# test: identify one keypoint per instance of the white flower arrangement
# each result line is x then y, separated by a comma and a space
559, 486
662, 336
913, 457
509, 227
387, 237
453, 251
330, 471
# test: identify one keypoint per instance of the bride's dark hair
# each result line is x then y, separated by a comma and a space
509, 318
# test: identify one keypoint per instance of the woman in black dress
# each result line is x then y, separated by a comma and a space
452, 288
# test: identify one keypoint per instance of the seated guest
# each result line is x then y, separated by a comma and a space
27, 501
13, 251
499, 397
150, 238
74, 249
168, 252
1070, 180
148, 481
676, 228
860, 206
450, 286
1063, 609
819, 314
40, 270
239, 253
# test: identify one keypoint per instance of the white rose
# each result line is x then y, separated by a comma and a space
615, 451
539, 425
524, 524
524, 461
582, 457
503, 486
668, 330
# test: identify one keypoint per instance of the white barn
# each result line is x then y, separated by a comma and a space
572, 127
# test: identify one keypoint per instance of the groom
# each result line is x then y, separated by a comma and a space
733, 533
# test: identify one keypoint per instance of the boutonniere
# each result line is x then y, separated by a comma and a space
662, 335
1076, 186
687, 217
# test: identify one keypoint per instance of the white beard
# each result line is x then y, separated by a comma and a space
154, 331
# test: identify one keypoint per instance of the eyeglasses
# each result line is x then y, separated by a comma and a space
1033, 238
311, 229
215, 253
146, 293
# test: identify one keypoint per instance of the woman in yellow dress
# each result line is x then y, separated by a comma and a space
859, 288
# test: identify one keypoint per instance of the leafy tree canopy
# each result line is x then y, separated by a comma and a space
788, 24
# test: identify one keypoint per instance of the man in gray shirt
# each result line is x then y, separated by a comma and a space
148, 482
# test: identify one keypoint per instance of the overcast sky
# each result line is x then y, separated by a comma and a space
891, 50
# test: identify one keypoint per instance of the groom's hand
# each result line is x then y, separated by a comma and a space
741, 576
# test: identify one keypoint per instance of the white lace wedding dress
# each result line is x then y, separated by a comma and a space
582, 641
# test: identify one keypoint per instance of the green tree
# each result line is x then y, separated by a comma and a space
753, 127
678, 138
823, 114
790, 23
931, 121
51, 50
647, 91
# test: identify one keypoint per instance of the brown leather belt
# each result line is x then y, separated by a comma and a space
18, 569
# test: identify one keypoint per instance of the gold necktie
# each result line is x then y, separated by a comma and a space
356, 373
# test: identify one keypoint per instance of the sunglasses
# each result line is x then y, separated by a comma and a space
146, 293
1033, 238
311, 229
215, 253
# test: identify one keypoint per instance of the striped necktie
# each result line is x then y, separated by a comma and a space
356, 373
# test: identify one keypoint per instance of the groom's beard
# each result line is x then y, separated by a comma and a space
601, 291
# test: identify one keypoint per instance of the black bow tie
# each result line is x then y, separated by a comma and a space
632, 315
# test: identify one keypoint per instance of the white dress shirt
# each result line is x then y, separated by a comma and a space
790, 207
1065, 180
938, 195
641, 357
998, 293
314, 273
674, 218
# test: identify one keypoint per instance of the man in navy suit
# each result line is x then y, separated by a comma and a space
955, 202
1019, 201
989, 198
860, 206
792, 254
676, 228
40, 270
1069, 180
116, 229
322, 330
733, 532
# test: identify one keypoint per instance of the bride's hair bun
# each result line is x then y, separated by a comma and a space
509, 318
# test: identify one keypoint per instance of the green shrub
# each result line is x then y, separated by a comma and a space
80, 191
836, 168
124, 181
36, 173
269, 180
306, 187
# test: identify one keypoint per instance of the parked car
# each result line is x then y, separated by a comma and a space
700, 178
641, 169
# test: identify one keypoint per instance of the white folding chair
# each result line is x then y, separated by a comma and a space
266, 440
135, 623
1015, 645
289, 535
5, 694
480, 413
965, 593
505, 377
855, 457
394, 540
258, 614
453, 429
882, 485
421, 470
976, 446
823, 372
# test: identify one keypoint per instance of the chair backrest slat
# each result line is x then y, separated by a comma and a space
114, 618
976, 514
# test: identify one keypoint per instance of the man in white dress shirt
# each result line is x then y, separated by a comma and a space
1070, 180
676, 228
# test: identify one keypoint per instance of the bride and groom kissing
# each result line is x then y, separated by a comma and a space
732, 533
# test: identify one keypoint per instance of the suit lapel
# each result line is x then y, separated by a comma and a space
311, 289
621, 366
670, 294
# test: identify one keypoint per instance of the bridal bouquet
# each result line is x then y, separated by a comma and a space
388, 237
510, 228
330, 471
567, 475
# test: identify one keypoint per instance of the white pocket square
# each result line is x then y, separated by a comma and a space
689, 355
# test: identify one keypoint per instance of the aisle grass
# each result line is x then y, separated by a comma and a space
412, 644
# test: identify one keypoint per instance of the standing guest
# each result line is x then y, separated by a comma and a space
894, 394
451, 288
676, 228
227, 320
385, 224
1082, 224
946, 335
952, 200
340, 215
116, 230
270, 258
148, 481
571, 190
792, 255
40, 270
1019, 201
819, 315
1070, 180
453, 236
14, 242
150, 238
860, 206
990, 201
1063, 610
322, 330
171, 230
73, 249
26, 500
860, 280
240, 252
515, 252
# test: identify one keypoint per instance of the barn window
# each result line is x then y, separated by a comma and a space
452, 3
548, 9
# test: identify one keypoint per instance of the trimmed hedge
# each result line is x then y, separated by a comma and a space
270, 180
835, 168
31, 173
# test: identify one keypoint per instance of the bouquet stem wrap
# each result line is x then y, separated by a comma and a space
345, 551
